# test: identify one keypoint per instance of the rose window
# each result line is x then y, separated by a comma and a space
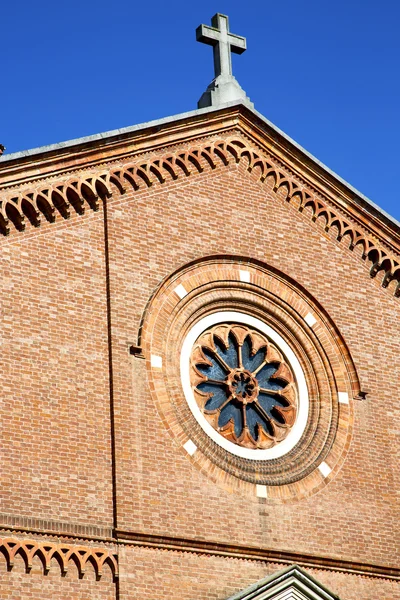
243, 386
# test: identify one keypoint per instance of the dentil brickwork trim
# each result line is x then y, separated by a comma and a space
79, 193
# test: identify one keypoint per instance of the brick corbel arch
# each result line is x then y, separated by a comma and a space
64, 554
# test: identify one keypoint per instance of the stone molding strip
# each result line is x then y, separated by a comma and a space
103, 556
257, 554
63, 553
24, 524
83, 191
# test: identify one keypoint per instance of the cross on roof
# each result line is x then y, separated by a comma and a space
223, 43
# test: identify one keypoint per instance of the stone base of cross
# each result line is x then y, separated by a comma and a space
224, 88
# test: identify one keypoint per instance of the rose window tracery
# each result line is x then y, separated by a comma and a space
243, 386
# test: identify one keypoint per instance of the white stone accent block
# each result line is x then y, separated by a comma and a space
310, 319
190, 447
156, 361
325, 469
180, 290
244, 276
343, 397
261, 491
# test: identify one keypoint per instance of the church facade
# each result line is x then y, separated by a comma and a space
200, 359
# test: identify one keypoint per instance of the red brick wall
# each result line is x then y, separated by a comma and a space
56, 449
353, 517
152, 574
56, 435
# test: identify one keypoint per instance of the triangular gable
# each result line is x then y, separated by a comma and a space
292, 583
55, 182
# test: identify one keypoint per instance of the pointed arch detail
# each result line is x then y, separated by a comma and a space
63, 553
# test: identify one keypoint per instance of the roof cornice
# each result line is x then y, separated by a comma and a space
85, 152
54, 179
325, 181
91, 144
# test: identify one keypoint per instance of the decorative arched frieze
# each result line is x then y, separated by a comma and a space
81, 556
83, 192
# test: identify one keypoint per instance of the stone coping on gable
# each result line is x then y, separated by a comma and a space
289, 578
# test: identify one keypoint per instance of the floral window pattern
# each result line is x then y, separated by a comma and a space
243, 386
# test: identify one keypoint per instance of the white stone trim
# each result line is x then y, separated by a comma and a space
301, 420
310, 319
291, 583
325, 469
343, 397
156, 361
180, 291
261, 491
244, 276
190, 447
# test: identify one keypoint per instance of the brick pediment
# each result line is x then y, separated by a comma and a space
183, 154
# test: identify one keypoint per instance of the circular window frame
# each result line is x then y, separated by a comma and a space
223, 284
300, 424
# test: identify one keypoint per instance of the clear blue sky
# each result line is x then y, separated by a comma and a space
327, 73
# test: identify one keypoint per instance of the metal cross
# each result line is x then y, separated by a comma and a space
222, 41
